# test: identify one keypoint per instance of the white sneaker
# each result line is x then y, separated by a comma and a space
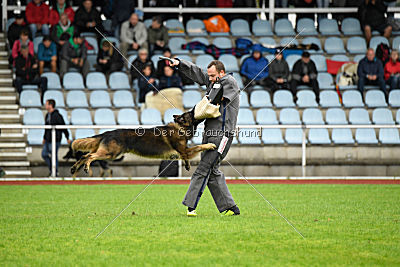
192, 213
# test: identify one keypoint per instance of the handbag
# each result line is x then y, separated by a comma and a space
205, 110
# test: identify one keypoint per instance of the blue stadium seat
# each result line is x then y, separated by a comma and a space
33, 116
306, 99
283, 27
334, 45
342, 137
319, 137
313, 40
340, 58
266, 116
288, 40
35, 136
267, 41
123, 99
320, 62
357, 58
92, 60
336, 116
328, 27
168, 114
203, 60
262, 28
389, 136
76, 99
283, 99
230, 62
191, 98
36, 41
294, 136
151, 116
93, 42
270, 58
83, 133
312, 116
306, 26
147, 22
113, 40
64, 114
394, 98
356, 45
9, 22
100, 99
382, 116
398, 116
359, 116
272, 137
396, 43
329, 99
240, 27
291, 60
351, 26
289, 116
202, 40
245, 116
238, 79
131, 58
175, 44
53, 80
352, 99
81, 116
175, 27
88, 34
325, 81
366, 136
376, 40
128, 116
119, 80
260, 99
56, 95
249, 136
104, 116
375, 98
196, 27
244, 100
96, 80
73, 80
30, 98
222, 42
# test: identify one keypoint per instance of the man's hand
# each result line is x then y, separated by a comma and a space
306, 78
279, 80
69, 141
103, 61
39, 26
44, 141
175, 63
135, 46
151, 80
34, 66
74, 61
81, 62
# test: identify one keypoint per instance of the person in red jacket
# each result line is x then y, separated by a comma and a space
60, 6
22, 41
37, 15
392, 71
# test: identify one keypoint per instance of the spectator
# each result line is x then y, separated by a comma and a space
146, 83
14, 31
47, 55
158, 35
53, 117
87, 18
162, 63
255, 67
139, 63
27, 71
392, 70
74, 54
64, 26
133, 35
60, 7
302, 4
37, 15
122, 11
22, 41
278, 73
304, 73
169, 79
372, 17
108, 60
370, 72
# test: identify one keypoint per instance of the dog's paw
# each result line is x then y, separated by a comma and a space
211, 146
187, 165
86, 169
73, 170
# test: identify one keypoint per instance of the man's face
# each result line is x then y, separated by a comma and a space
87, 5
278, 56
37, 1
305, 59
370, 55
48, 107
257, 54
64, 19
168, 71
213, 74
24, 38
61, 2
155, 24
143, 56
394, 56
19, 21
47, 43
134, 19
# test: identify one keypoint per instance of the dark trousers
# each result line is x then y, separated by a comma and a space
273, 85
46, 154
380, 81
394, 82
313, 83
109, 68
39, 81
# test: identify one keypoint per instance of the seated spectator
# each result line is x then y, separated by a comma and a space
304, 73
14, 31
108, 60
37, 15
64, 26
133, 35
255, 67
87, 18
372, 17
278, 73
146, 83
26, 69
60, 7
158, 35
392, 71
73, 54
169, 79
22, 41
139, 63
162, 63
47, 55
370, 72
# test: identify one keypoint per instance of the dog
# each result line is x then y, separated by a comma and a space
162, 142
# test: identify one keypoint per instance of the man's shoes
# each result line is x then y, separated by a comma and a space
232, 211
192, 213
228, 213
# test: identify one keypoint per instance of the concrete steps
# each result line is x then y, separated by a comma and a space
18, 173
14, 163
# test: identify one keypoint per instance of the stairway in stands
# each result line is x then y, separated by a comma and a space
13, 148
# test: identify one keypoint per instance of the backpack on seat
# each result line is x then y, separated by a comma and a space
383, 53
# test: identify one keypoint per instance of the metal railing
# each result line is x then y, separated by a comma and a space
304, 127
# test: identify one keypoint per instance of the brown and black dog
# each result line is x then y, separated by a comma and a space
163, 142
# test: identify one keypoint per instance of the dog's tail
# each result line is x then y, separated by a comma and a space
89, 144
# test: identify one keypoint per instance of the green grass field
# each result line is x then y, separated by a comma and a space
56, 225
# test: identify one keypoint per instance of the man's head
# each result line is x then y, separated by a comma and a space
60, 2
77, 38
24, 51
257, 54
64, 19
37, 2
370, 54
305, 57
105, 45
167, 52
50, 105
19, 19
278, 54
143, 54
87, 4
24, 35
134, 19
168, 71
215, 69
47, 41
147, 70
394, 55
156, 22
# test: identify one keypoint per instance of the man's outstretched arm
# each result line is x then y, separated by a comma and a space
192, 71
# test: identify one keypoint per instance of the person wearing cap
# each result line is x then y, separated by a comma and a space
37, 15
133, 35
47, 55
278, 73
73, 54
254, 69
108, 59
139, 63
304, 73
15, 29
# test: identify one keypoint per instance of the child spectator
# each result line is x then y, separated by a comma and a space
22, 41
392, 71
47, 55
108, 60
146, 83
169, 79
60, 7
37, 15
